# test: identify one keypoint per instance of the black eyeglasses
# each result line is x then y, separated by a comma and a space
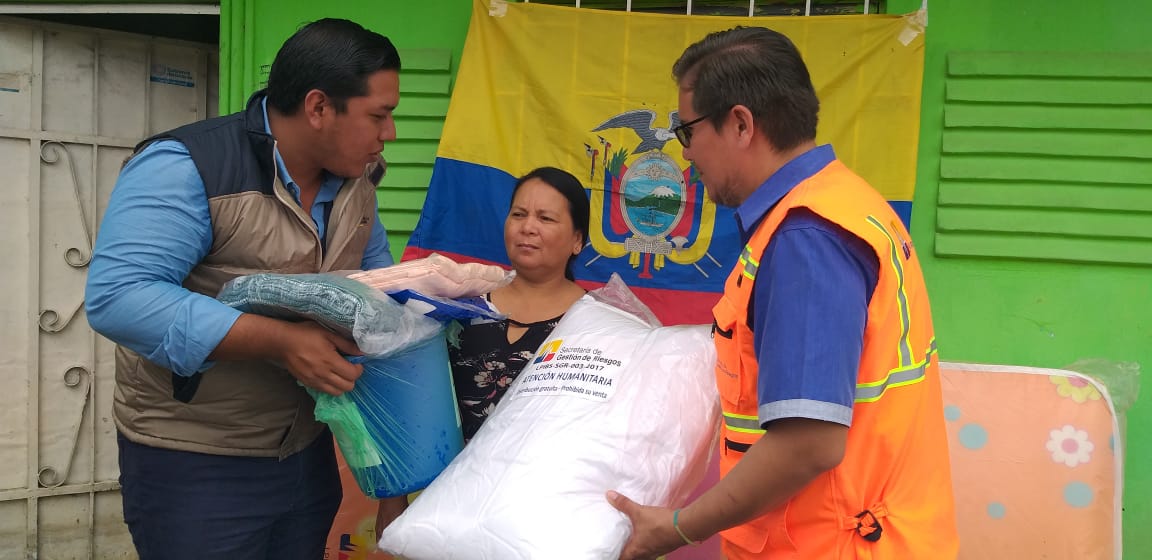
683, 132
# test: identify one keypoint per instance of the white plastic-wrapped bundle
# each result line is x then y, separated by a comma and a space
611, 402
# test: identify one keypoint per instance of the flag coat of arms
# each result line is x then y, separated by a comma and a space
591, 92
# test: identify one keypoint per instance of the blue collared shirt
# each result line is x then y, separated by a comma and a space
811, 297
156, 229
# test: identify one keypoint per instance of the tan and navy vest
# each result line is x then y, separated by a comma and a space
242, 408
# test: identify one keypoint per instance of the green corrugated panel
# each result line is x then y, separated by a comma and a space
411, 151
425, 89
1048, 65
434, 106
1099, 91
1036, 194
433, 83
1114, 117
1097, 143
1047, 156
1045, 248
419, 128
426, 60
403, 198
1037, 166
1062, 222
406, 177
400, 220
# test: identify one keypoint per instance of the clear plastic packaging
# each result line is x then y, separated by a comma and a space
612, 401
1120, 379
398, 427
378, 323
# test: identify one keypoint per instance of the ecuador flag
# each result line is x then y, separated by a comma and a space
591, 91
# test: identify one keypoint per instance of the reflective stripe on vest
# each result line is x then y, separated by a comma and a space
905, 350
742, 423
749, 264
899, 377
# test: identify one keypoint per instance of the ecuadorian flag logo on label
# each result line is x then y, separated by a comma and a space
548, 350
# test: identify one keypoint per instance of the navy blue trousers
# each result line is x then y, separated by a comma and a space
181, 505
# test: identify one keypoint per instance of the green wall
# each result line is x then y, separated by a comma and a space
252, 30
1027, 296
1017, 307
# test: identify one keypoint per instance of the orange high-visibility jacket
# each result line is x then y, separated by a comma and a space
891, 496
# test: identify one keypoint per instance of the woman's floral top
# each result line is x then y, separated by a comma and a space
485, 364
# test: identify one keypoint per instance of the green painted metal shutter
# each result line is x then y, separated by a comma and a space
425, 87
1047, 156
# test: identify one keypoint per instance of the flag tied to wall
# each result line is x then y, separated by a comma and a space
591, 92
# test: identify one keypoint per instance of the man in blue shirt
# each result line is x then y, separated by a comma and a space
808, 321
220, 456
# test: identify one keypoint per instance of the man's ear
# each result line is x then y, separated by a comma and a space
316, 107
744, 123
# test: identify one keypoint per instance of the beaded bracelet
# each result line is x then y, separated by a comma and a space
679, 531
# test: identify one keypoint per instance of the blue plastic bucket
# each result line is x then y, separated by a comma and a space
409, 409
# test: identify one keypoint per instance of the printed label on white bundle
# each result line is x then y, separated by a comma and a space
560, 369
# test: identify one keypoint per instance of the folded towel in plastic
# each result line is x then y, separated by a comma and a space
436, 275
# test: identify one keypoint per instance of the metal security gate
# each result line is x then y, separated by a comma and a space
73, 102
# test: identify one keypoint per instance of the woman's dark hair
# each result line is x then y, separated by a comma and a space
335, 56
569, 186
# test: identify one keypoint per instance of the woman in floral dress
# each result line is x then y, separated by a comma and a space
546, 228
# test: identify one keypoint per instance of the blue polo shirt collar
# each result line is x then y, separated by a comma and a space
328, 188
780, 184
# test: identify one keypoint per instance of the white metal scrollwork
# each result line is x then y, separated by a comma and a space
51, 152
77, 378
